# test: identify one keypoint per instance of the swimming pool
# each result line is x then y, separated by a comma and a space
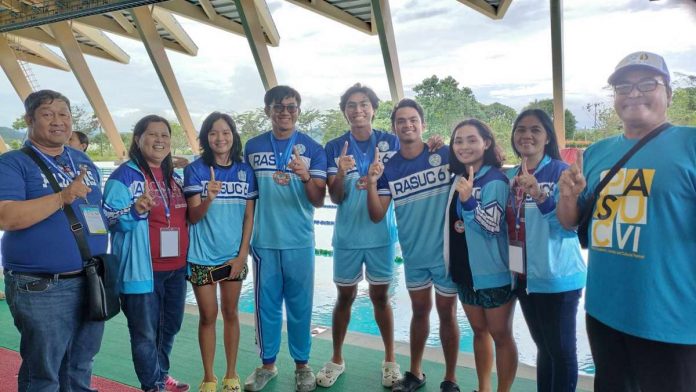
362, 319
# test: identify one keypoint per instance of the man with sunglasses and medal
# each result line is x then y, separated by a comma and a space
290, 170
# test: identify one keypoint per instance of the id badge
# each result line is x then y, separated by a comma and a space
169, 242
93, 218
518, 262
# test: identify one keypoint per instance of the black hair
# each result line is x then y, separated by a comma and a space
207, 152
38, 98
407, 103
355, 89
82, 137
136, 155
278, 93
493, 156
551, 148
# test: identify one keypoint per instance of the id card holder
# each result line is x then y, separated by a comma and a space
518, 260
169, 242
93, 218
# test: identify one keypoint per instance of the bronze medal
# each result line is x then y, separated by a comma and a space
459, 226
361, 183
281, 178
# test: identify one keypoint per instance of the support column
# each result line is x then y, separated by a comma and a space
155, 49
557, 69
257, 42
71, 50
13, 70
385, 30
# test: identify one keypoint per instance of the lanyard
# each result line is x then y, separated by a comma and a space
281, 163
363, 159
60, 171
517, 207
165, 199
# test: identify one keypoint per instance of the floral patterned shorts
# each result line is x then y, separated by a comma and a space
200, 274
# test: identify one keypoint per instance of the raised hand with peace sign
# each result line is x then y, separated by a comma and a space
465, 186
214, 187
375, 170
298, 166
572, 181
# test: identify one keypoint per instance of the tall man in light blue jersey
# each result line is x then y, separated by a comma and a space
641, 277
358, 241
418, 182
290, 170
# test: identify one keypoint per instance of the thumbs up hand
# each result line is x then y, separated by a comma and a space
465, 186
77, 188
572, 181
214, 187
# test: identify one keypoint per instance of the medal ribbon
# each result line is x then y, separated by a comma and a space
282, 159
60, 171
363, 159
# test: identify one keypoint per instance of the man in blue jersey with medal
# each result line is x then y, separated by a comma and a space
290, 170
44, 278
418, 182
349, 157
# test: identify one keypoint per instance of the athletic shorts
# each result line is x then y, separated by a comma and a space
379, 265
200, 274
485, 298
422, 278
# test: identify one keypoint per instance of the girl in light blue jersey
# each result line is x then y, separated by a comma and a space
220, 191
476, 247
554, 272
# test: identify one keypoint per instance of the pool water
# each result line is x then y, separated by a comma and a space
362, 319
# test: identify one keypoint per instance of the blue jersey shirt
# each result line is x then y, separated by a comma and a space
217, 237
419, 189
352, 216
642, 243
47, 246
284, 217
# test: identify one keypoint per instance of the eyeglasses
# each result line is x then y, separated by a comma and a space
643, 86
278, 108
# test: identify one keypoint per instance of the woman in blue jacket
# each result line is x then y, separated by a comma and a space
476, 249
551, 281
145, 205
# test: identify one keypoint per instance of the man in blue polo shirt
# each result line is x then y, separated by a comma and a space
418, 182
45, 285
290, 170
641, 277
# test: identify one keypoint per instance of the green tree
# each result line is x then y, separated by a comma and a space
19, 123
445, 104
333, 125
382, 119
179, 141
683, 108
251, 123
547, 106
310, 121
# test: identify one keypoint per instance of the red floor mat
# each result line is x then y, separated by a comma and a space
9, 366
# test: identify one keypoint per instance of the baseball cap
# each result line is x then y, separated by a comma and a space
641, 60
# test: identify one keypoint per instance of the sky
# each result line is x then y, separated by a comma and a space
506, 61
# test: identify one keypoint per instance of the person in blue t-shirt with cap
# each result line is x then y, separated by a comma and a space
641, 285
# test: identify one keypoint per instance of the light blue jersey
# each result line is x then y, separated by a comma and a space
419, 189
352, 216
284, 216
641, 272
217, 237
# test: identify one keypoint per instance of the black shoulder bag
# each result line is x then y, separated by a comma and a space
586, 217
101, 270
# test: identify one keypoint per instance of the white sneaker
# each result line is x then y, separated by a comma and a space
305, 380
259, 378
328, 375
391, 373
